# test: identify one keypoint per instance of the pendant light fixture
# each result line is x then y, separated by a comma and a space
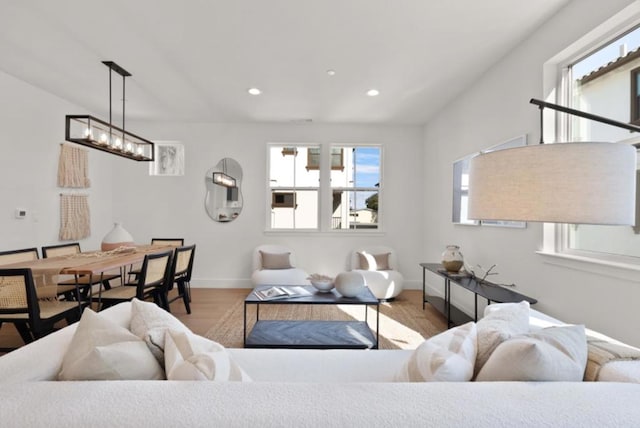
92, 132
222, 178
574, 182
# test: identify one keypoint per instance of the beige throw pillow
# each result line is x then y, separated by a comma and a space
192, 357
102, 350
275, 260
370, 261
447, 357
501, 321
149, 322
550, 354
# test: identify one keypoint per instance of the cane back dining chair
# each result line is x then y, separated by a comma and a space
181, 276
150, 283
17, 256
168, 241
19, 304
176, 242
31, 254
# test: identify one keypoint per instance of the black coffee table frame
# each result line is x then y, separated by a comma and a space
312, 334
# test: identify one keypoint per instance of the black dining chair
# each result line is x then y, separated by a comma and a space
176, 242
31, 254
20, 305
149, 284
17, 256
181, 276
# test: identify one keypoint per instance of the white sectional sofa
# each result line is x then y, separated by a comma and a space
305, 388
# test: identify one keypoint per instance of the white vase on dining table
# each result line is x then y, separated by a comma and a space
117, 237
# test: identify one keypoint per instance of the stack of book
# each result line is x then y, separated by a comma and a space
281, 292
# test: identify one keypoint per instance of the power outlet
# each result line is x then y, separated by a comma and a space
21, 213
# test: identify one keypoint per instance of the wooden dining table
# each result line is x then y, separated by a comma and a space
46, 272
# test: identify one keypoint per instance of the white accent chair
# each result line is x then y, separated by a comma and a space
289, 276
384, 284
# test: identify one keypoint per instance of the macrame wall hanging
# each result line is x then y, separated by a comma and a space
73, 172
73, 167
75, 217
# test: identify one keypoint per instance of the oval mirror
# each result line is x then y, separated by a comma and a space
223, 201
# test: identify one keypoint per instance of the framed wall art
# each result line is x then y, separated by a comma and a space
168, 159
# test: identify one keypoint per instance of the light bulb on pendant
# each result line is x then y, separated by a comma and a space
88, 134
104, 140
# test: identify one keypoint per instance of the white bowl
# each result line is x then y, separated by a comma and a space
322, 285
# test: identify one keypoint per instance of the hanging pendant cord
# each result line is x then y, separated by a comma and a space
110, 109
123, 98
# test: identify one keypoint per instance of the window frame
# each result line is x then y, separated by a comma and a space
557, 81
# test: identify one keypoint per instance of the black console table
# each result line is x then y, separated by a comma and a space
491, 292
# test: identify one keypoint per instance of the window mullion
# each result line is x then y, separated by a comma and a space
324, 192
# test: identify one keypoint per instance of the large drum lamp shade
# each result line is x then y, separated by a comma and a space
576, 183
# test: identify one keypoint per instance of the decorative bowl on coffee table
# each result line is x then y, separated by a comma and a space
322, 283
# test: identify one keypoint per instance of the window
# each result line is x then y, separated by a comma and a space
283, 200
337, 159
604, 82
461, 192
293, 189
324, 187
355, 188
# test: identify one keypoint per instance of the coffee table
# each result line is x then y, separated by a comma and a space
312, 334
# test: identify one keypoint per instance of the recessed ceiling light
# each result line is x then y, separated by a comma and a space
254, 91
331, 72
373, 92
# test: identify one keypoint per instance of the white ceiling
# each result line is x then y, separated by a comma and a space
193, 60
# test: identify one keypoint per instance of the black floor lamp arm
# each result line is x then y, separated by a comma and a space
543, 104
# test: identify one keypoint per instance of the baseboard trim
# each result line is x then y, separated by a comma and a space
246, 283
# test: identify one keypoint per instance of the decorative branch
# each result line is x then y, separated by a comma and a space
487, 272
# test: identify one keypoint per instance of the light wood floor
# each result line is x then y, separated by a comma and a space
208, 306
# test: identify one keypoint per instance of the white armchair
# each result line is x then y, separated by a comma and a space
275, 264
379, 266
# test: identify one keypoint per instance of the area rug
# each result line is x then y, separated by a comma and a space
403, 324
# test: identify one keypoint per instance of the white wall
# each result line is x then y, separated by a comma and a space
174, 206
496, 109
31, 130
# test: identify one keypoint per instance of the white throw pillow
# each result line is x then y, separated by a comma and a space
446, 357
150, 322
191, 357
102, 350
501, 321
370, 261
550, 354
276, 260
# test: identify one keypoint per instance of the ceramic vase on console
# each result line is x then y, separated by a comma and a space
349, 284
117, 237
452, 259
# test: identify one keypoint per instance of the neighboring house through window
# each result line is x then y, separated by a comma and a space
635, 95
324, 188
605, 82
293, 189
